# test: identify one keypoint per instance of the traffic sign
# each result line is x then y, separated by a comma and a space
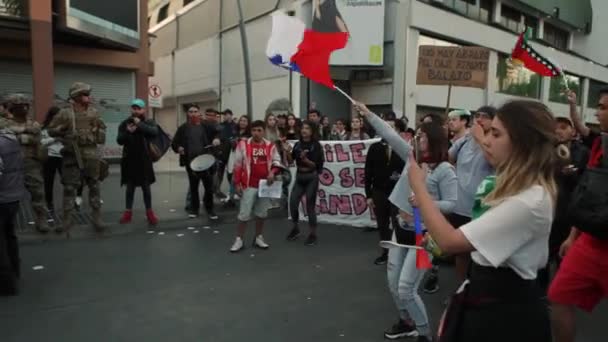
155, 99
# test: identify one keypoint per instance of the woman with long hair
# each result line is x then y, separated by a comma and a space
403, 275
292, 129
508, 236
272, 130
308, 156
53, 163
357, 132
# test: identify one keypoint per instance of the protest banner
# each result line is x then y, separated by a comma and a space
465, 66
341, 197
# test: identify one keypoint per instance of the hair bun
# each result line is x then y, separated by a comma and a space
563, 152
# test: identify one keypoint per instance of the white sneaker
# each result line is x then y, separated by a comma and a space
237, 246
78, 201
260, 243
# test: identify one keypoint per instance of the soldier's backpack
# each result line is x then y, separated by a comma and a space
158, 146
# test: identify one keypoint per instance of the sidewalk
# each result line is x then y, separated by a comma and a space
168, 201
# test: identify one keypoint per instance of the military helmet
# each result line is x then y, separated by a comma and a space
78, 88
16, 99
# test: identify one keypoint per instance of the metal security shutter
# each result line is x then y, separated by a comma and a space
113, 90
15, 76
113, 85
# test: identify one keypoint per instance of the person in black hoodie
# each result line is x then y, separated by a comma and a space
191, 141
567, 178
382, 170
308, 156
136, 168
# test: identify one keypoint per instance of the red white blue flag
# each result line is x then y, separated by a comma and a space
293, 46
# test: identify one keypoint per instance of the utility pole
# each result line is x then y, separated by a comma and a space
245, 60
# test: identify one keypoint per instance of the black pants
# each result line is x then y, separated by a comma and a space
495, 299
9, 248
221, 169
195, 178
130, 193
306, 184
385, 213
50, 168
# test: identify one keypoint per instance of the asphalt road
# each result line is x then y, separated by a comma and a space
143, 286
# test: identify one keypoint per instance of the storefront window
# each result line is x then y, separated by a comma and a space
556, 36
516, 81
557, 88
593, 96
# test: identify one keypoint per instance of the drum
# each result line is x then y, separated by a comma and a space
284, 174
202, 162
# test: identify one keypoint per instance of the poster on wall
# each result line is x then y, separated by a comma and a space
341, 196
366, 43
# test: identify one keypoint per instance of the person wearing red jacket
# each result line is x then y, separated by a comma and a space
256, 159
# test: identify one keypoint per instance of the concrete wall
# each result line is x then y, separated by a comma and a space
593, 45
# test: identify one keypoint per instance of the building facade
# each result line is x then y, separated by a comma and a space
49, 44
198, 55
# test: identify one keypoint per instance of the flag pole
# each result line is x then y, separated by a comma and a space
565, 80
345, 94
447, 105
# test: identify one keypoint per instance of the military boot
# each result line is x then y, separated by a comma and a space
41, 223
66, 225
98, 224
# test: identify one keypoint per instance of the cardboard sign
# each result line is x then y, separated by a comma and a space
460, 66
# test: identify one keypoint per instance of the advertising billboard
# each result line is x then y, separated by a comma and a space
115, 20
362, 19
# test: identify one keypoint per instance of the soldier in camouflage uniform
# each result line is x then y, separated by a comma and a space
81, 129
28, 134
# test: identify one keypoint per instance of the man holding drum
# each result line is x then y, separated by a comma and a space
191, 141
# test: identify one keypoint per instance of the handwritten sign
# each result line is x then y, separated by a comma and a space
341, 196
460, 66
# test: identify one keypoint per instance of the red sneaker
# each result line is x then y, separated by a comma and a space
126, 217
152, 219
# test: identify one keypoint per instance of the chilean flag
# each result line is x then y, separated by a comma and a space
423, 262
523, 54
293, 46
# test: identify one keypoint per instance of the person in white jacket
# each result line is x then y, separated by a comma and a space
256, 159
53, 163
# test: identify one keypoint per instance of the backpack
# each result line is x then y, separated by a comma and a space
588, 208
158, 146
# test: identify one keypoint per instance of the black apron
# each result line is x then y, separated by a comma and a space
497, 305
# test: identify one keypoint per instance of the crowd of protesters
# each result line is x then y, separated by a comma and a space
495, 189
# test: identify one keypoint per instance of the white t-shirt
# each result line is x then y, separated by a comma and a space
514, 233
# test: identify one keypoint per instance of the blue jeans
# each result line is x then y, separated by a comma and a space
403, 281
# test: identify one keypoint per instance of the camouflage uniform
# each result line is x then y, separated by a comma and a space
81, 132
28, 135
